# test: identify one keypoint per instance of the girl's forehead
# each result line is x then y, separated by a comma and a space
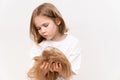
39, 20
42, 18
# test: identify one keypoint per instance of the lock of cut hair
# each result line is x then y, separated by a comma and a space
50, 55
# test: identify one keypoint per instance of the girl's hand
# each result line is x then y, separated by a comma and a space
44, 68
57, 67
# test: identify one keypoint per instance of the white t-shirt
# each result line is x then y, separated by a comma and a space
69, 46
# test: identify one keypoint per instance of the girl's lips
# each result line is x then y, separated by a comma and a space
45, 36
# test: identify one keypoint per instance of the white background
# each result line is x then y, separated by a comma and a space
96, 23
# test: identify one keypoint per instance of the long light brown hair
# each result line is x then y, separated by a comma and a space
50, 11
51, 55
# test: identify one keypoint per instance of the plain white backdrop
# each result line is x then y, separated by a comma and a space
96, 23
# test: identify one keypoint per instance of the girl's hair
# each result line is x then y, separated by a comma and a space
50, 11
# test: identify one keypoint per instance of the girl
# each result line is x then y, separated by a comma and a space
47, 28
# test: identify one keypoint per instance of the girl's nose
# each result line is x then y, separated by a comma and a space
43, 30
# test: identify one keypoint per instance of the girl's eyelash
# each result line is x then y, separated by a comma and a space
38, 28
45, 25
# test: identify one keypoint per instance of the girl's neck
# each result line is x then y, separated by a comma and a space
59, 37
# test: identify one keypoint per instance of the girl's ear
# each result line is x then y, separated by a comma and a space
57, 21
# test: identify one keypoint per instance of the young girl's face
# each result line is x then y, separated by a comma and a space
46, 27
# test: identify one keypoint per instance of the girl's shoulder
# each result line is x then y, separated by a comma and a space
71, 38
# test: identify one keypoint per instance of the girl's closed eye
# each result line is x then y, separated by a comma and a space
38, 28
45, 25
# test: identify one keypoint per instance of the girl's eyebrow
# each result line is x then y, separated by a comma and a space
44, 24
37, 27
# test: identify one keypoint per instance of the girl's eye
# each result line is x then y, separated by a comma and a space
45, 25
38, 28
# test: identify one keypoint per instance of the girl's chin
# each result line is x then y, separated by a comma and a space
48, 38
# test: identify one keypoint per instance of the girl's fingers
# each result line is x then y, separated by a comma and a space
41, 67
60, 66
44, 68
46, 65
51, 69
56, 65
